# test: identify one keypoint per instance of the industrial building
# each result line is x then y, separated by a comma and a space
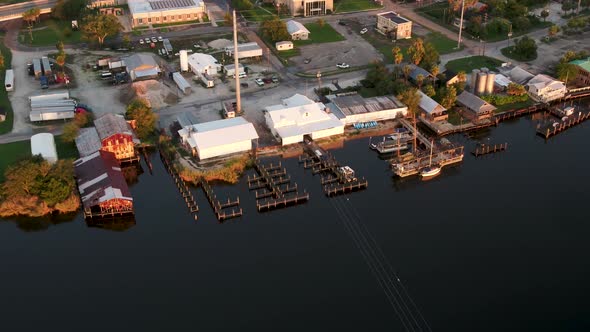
246, 50
393, 25
479, 108
116, 136
308, 7
545, 89
148, 12
583, 77
298, 116
297, 30
482, 81
141, 66
44, 144
355, 109
219, 138
87, 141
102, 186
230, 70
515, 73
182, 84
431, 110
52, 106
200, 63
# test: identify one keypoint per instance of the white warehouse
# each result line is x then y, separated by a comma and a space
246, 50
298, 116
43, 144
219, 138
200, 64
354, 108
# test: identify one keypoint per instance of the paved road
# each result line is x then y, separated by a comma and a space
14, 11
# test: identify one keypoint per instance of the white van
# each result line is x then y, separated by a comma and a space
9, 80
106, 75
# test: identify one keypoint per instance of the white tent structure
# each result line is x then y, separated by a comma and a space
43, 144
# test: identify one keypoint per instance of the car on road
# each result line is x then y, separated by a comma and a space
160, 38
275, 79
141, 42
364, 30
306, 60
154, 40
343, 65
259, 82
147, 40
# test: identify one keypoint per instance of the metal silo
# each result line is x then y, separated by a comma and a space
490, 80
473, 82
183, 60
480, 88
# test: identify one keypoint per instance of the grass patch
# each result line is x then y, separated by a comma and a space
320, 34
289, 53
6, 125
455, 118
175, 23
441, 43
509, 53
472, 62
514, 106
368, 92
49, 32
343, 6
271, 8
258, 14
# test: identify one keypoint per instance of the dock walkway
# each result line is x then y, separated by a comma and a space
442, 158
273, 187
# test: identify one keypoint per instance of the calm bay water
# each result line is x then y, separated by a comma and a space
498, 243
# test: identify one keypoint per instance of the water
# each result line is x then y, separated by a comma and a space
498, 243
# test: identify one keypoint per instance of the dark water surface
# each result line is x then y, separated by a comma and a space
499, 243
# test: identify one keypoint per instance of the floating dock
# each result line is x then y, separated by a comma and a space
483, 149
273, 187
414, 166
553, 128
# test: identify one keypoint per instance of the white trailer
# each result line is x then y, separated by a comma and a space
37, 68
51, 113
182, 84
53, 103
46, 66
247, 50
9, 80
207, 80
57, 95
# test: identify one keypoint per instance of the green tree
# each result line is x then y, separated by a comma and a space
553, 30
419, 80
566, 6
31, 16
407, 70
416, 50
515, 89
321, 22
448, 97
411, 98
98, 27
431, 57
228, 19
526, 47
455, 5
377, 72
274, 30
70, 132
544, 14
566, 71
434, 70
69, 9
429, 90
145, 118
398, 56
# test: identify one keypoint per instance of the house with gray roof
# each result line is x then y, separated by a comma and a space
480, 108
431, 110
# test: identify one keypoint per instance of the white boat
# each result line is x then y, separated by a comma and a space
430, 171
383, 147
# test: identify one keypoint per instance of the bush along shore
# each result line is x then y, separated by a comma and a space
34, 188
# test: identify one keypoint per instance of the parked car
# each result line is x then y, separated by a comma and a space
267, 80
141, 42
307, 60
275, 79
154, 40
341, 22
147, 40
160, 38
343, 65
364, 30
259, 82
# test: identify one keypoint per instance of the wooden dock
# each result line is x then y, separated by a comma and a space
273, 187
333, 181
483, 149
441, 158
553, 128
223, 211
183, 188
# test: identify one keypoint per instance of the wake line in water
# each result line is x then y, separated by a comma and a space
397, 295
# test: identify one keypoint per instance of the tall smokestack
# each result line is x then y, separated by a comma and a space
236, 68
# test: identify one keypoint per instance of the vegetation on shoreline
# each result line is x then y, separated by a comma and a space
6, 125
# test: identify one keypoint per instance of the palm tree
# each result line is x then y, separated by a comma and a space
411, 98
434, 71
61, 61
31, 16
419, 80
407, 69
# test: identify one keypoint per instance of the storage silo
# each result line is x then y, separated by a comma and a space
480, 88
183, 60
490, 80
473, 82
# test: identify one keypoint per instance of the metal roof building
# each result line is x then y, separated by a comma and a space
431, 109
87, 141
246, 50
141, 66
476, 105
44, 144
354, 108
219, 138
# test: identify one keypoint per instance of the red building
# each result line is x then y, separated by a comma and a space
116, 136
102, 186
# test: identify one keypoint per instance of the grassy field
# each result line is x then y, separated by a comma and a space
258, 14
472, 62
508, 52
343, 6
317, 34
514, 106
49, 33
12, 152
6, 125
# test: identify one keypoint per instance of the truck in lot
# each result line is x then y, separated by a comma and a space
44, 82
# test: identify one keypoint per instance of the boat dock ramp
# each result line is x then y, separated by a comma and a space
415, 165
335, 179
553, 128
273, 187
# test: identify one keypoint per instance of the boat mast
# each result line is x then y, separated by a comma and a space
431, 147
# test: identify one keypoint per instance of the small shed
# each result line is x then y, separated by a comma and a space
432, 110
182, 84
297, 30
479, 107
284, 45
230, 70
44, 144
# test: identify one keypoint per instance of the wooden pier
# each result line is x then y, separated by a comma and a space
414, 166
183, 188
334, 181
223, 211
554, 128
483, 149
273, 187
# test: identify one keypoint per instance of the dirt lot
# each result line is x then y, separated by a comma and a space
354, 50
549, 54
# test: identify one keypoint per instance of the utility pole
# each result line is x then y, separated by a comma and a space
236, 67
461, 24
319, 77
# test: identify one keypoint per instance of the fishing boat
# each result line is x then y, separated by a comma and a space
431, 170
389, 145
